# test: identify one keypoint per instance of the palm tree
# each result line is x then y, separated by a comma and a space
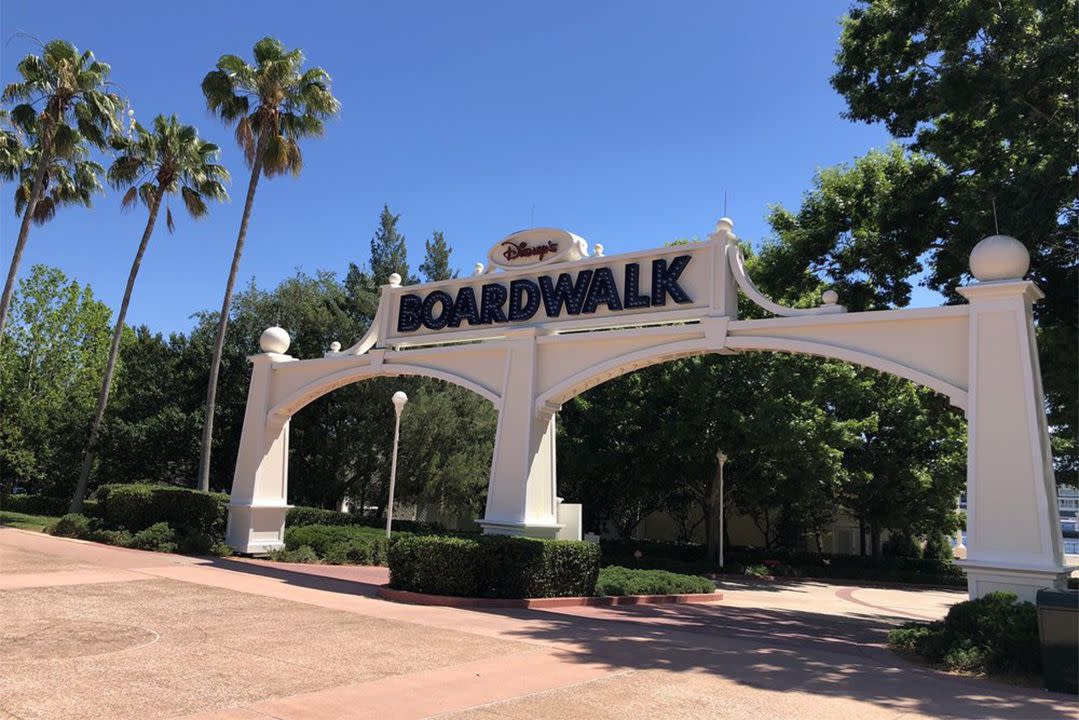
152, 165
274, 104
64, 106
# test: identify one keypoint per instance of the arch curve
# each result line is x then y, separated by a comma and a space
305, 395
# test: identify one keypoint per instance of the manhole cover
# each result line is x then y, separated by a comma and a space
59, 639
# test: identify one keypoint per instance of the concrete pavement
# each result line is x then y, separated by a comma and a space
92, 631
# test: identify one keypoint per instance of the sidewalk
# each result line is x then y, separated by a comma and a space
127, 634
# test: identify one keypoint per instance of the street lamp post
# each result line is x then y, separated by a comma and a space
722, 461
399, 400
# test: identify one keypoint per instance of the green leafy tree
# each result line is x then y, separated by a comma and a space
169, 160
61, 107
50, 362
987, 90
436, 259
275, 104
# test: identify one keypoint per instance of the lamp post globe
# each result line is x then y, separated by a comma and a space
399, 400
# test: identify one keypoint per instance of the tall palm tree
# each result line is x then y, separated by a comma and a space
63, 107
171, 159
275, 104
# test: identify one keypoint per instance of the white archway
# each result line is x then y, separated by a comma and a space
532, 336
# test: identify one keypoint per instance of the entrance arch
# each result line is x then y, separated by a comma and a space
542, 330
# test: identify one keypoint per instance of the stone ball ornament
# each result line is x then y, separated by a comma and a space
274, 340
999, 257
829, 297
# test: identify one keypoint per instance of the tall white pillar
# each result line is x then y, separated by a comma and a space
1013, 526
521, 494
258, 504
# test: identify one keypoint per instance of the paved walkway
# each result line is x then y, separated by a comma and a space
91, 631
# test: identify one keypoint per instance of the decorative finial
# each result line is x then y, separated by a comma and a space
478, 269
335, 346
999, 257
274, 340
395, 280
829, 297
597, 250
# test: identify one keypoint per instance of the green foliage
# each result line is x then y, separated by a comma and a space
302, 554
341, 544
436, 259
35, 504
135, 507
993, 634
158, 537
300, 515
494, 566
70, 525
759, 571
51, 358
900, 545
122, 538
987, 91
616, 580
938, 547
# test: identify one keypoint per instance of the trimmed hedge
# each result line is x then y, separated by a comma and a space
492, 566
36, 504
616, 580
993, 634
138, 506
301, 515
686, 558
341, 544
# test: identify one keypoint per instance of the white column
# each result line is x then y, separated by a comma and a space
521, 495
1013, 525
258, 504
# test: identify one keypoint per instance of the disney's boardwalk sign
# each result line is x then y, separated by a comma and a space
548, 319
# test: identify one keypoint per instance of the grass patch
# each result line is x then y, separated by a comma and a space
25, 521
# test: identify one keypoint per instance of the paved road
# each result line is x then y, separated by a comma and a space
91, 631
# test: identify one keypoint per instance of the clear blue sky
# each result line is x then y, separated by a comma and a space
624, 122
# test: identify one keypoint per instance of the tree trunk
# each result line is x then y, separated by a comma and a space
223, 321
711, 519
24, 234
114, 354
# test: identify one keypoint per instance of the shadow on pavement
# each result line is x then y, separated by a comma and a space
782, 650
298, 577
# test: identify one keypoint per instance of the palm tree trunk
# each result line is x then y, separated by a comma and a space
24, 234
223, 321
110, 366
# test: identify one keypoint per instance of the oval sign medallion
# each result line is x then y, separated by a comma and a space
538, 246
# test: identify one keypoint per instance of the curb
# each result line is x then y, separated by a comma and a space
414, 598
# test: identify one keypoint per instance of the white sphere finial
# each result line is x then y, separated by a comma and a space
999, 257
724, 224
274, 340
597, 250
829, 297
399, 399
478, 269
335, 346
395, 280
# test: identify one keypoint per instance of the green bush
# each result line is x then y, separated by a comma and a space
938, 546
300, 515
901, 546
615, 580
137, 507
35, 504
302, 554
760, 571
486, 566
70, 525
159, 537
993, 634
341, 544
121, 538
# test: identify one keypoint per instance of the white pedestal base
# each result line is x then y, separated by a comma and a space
985, 577
547, 531
256, 529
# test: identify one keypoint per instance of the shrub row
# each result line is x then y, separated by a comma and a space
159, 537
301, 515
993, 634
492, 566
136, 507
337, 544
616, 580
36, 504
